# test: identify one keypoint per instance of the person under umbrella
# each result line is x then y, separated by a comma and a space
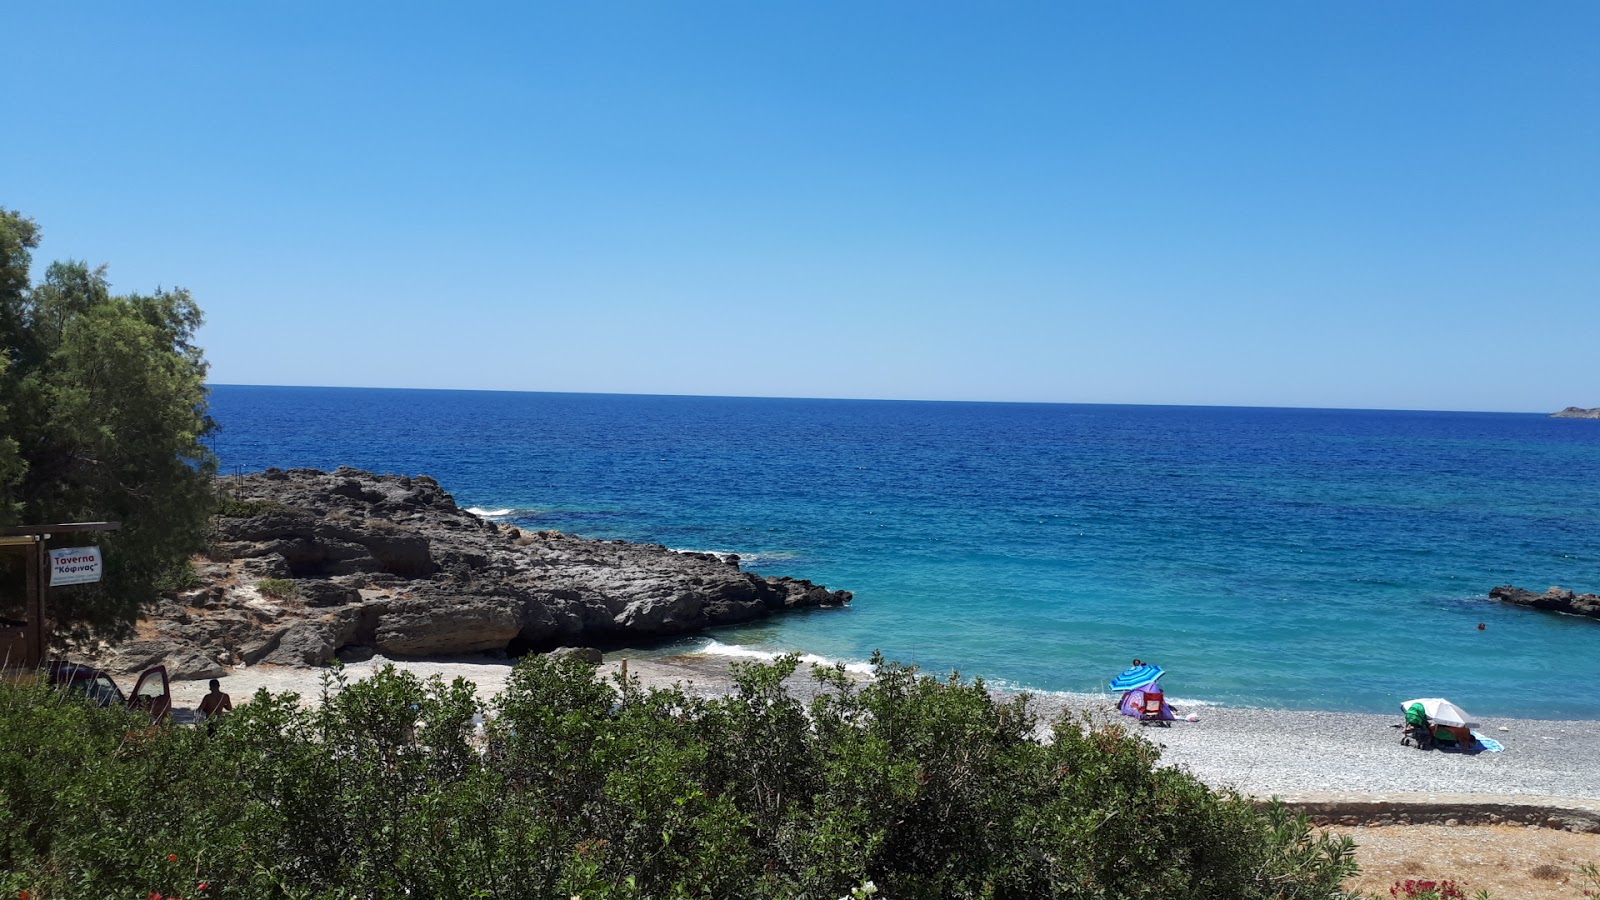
1141, 690
1447, 722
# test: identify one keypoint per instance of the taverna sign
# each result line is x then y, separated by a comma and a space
75, 565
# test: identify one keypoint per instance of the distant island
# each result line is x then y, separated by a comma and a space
1577, 412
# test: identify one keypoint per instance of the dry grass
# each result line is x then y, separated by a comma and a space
1513, 862
1548, 872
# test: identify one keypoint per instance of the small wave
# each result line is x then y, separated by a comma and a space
744, 558
724, 555
717, 648
1187, 702
1012, 687
768, 556
502, 514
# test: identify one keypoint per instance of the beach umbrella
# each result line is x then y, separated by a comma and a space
1442, 712
1136, 677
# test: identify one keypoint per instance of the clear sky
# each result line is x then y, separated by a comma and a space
1391, 205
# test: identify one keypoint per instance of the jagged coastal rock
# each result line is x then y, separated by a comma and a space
1555, 600
1577, 412
315, 565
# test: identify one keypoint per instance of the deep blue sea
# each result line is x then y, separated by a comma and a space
1292, 558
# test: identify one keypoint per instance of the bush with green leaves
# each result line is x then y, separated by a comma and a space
900, 787
278, 588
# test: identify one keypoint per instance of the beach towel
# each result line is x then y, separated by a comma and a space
1485, 745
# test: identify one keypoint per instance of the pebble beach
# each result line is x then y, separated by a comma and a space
1259, 752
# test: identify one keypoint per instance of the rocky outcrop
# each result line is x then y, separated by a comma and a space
312, 565
1577, 412
1555, 600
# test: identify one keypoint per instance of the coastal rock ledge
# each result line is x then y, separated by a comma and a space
314, 565
1556, 599
1577, 412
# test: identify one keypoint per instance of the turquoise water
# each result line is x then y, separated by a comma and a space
1316, 559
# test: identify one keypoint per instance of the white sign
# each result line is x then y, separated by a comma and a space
75, 565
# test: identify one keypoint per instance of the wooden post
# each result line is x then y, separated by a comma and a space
38, 581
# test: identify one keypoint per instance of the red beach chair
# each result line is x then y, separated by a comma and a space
1154, 708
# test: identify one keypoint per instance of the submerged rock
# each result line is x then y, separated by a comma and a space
345, 563
1556, 599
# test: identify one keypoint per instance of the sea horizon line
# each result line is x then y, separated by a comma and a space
886, 400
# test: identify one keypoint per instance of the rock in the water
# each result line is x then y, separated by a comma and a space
1577, 412
1556, 599
346, 563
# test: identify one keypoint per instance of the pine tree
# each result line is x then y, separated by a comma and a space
103, 415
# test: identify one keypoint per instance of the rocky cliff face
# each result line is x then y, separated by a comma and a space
1555, 600
1577, 412
314, 565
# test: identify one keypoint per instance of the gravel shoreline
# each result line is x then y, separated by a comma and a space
1260, 752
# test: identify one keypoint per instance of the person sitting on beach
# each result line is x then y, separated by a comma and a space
1459, 735
214, 704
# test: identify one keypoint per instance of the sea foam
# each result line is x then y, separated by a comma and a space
717, 648
745, 558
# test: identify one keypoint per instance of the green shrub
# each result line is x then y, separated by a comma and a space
182, 578
278, 588
909, 786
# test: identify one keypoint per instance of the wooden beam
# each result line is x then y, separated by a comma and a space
38, 583
61, 528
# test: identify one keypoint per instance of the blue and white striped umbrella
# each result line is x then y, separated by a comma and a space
1136, 677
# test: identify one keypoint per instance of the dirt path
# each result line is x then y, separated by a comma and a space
1513, 862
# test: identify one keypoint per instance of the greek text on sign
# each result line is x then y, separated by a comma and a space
74, 565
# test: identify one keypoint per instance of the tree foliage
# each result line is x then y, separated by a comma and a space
103, 415
904, 787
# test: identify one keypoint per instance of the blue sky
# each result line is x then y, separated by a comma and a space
1390, 205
